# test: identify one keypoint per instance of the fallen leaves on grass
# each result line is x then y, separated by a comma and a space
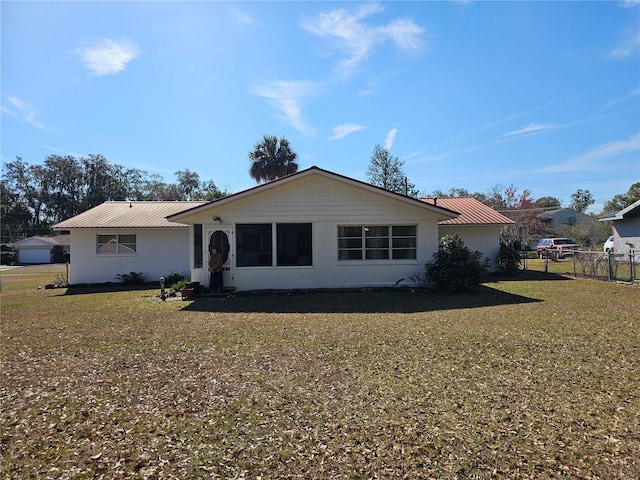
128, 387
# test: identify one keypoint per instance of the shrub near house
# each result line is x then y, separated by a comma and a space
455, 268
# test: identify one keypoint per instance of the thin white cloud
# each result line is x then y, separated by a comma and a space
629, 47
616, 101
285, 96
511, 138
592, 160
405, 34
242, 18
354, 39
108, 57
24, 111
629, 3
388, 141
345, 129
531, 128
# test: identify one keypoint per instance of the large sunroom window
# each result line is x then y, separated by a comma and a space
254, 245
294, 244
257, 246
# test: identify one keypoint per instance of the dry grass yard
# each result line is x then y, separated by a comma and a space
536, 377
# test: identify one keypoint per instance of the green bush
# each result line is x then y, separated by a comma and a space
455, 268
7, 257
508, 259
131, 278
179, 285
174, 277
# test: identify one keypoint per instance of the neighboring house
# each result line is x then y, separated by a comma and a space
551, 221
478, 225
123, 237
625, 226
36, 250
314, 229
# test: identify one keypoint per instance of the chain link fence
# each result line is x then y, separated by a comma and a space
599, 265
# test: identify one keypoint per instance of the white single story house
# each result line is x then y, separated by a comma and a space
311, 229
37, 249
123, 237
625, 226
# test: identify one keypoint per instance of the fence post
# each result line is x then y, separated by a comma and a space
609, 265
631, 265
546, 260
575, 254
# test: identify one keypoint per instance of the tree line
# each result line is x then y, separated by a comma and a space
35, 197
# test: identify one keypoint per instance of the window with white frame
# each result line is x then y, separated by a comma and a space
259, 244
293, 241
116, 244
377, 242
254, 245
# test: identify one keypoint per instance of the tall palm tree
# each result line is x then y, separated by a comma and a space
272, 158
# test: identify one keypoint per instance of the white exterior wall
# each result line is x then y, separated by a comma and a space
485, 239
326, 204
158, 253
627, 231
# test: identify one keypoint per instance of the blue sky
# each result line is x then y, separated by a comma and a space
541, 95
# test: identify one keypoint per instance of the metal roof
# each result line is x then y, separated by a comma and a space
151, 214
43, 241
631, 211
472, 212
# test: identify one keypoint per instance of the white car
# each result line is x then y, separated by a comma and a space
608, 245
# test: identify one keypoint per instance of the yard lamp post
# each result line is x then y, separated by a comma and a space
163, 295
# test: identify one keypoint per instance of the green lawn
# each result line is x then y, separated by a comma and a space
532, 377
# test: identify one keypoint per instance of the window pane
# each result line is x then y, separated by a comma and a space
350, 255
404, 231
294, 244
128, 248
126, 244
377, 243
106, 244
404, 254
377, 231
378, 254
404, 242
350, 243
254, 245
197, 245
350, 231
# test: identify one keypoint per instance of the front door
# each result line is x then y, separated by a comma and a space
221, 237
